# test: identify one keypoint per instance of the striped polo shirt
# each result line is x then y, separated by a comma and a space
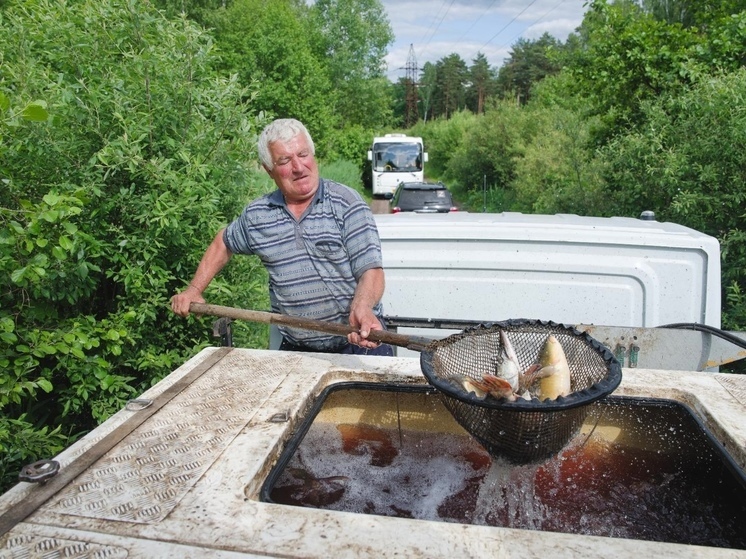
314, 263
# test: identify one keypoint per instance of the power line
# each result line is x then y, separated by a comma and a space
477, 20
438, 18
434, 27
545, 14
509, 23
438, 26
434, 19
512, 41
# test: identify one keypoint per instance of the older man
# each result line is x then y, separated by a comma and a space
317, 239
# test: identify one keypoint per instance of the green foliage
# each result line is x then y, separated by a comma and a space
441, 138
22, 443
355, 33
112, 186
482, 84
557, 172
670, 11
722, 48
426, 90
352, 38
451, 77
321, 64
487, 150
350, 143
197, 10
629, 57
529, 63
688, 164
344, 172
268, 43
535, 159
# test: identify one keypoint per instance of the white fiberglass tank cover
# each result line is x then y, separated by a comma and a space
565, 268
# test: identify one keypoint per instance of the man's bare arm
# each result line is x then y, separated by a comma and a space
215, 258
367, 294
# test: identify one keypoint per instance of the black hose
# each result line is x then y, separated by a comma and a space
710, 330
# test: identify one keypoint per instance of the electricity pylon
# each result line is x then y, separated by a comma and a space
411, 114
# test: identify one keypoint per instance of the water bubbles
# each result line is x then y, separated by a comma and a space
637, 476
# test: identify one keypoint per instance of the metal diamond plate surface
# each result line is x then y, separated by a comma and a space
14, 547
144, 477
736, 385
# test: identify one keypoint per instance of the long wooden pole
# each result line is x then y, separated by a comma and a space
415, 343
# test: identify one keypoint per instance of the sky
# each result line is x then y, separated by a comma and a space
437, 28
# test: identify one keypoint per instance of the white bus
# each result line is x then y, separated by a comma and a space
395, 158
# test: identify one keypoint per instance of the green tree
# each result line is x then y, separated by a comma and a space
671, 11
486, 153
629, 56
688, 164
21, 441
268, 43
352, 38
529, 62
427, 88
107, 205
481, 84
400, 91
556, 171
451, 77
442, 137
693, 13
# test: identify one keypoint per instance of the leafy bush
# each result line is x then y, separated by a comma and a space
557, 171
140, 153
351, 144
441, 138
688, 164
345, 172
487, 150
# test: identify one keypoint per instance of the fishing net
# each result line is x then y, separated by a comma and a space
524, 430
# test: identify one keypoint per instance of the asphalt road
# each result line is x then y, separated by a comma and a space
379, 206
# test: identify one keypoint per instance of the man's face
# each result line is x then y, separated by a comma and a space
295, 172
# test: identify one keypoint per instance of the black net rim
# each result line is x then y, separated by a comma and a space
598, 390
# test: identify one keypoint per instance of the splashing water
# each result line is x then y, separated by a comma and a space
644, 475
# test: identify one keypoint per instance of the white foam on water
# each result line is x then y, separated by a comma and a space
413, 485
640, 482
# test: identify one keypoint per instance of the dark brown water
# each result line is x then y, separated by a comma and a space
646, 472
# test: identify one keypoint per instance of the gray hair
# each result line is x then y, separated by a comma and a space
282, 130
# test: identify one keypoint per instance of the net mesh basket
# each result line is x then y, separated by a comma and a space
520, 431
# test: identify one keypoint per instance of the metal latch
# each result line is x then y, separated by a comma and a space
137, 404
280, 417
621, 352
39, 472
221, 328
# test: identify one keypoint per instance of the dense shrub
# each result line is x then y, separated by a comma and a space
138, 156
688, 164
558, 170
441, 138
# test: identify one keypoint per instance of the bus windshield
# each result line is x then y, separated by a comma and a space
397, 157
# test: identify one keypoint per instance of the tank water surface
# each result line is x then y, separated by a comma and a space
638, 469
